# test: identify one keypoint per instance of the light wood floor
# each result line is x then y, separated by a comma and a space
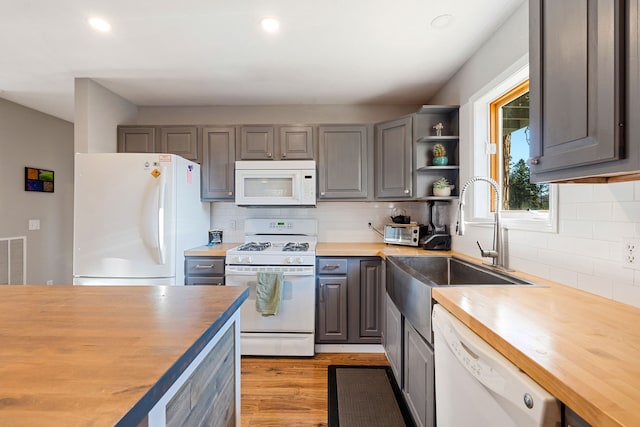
292, 391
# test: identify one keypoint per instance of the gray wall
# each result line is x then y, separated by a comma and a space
98, 112
31, 138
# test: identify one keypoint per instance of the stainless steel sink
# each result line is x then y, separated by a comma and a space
440, 271
411, 278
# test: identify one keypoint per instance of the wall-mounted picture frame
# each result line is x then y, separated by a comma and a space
36, 179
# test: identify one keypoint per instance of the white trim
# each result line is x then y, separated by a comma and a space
479, 137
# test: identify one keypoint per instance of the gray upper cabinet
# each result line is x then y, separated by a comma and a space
218, 163
179, 140
297, 143
136, 139
393, 148
344, 163
287, 142
577, 89
256, 143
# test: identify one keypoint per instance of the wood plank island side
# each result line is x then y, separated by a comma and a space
98, 355
580, 347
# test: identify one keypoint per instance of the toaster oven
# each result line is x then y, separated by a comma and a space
404, 234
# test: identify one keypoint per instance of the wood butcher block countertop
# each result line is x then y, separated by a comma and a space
582, 348
99, 355
370, 249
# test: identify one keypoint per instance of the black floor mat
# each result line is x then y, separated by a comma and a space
365, 396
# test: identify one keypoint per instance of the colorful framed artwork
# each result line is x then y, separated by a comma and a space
38, 180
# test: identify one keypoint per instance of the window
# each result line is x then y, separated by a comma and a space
509, 128
524, 206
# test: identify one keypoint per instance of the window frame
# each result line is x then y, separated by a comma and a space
483, 158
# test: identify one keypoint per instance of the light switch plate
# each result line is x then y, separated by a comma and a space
34, 224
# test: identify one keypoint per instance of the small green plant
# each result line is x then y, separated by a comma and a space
439, 151
441, 183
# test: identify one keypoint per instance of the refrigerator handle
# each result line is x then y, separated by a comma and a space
161, 209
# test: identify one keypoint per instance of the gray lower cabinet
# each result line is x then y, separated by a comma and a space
202, 270
392, 338
577, 89
179, 140
419, 377
344, 165
218, 163
349, 300
394, 159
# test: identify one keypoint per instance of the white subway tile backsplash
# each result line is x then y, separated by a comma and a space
567, 260
612, 270
563, 276
626, 211
575, 193
618, 192
627, 294
568, 211
596, 285
613, 231
598, 211
574, 228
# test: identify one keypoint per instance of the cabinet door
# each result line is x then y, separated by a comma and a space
393, 145
296, 143
332, 308
343, 162
256, 143
419, 377
392, 338
182, 141
134, 139
576, 85
218, 163
371, 293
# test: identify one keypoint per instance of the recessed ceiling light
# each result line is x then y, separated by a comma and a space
270, 25
99, 24
441, 21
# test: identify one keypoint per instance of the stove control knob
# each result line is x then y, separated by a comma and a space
298, 260
244, 259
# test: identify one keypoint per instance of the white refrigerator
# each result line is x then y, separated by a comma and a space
134, 215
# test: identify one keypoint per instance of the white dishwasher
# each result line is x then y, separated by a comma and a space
477, 386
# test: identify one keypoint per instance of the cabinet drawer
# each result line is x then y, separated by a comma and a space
204, 266
204, 280
332, 266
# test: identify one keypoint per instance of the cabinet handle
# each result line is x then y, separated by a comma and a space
284, 154
322, 194
268, 154
406, 191
321, 296
534, 161
202, 267
230, 193
330, 267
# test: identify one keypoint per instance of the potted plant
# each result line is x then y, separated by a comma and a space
442, 187
440, 155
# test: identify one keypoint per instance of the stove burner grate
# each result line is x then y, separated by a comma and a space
296, 247
254, 246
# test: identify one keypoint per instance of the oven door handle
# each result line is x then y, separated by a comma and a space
286, 274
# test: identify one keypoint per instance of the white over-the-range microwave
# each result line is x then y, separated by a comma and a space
276, 183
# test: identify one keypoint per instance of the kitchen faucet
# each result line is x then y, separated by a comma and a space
497, 254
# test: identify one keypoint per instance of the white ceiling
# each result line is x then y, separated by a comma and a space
213, 52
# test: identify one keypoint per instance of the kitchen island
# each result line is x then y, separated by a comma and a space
580, 347
118, 355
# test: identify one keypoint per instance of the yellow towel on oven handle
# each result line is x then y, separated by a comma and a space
269, 292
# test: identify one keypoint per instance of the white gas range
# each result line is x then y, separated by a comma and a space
284, 246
